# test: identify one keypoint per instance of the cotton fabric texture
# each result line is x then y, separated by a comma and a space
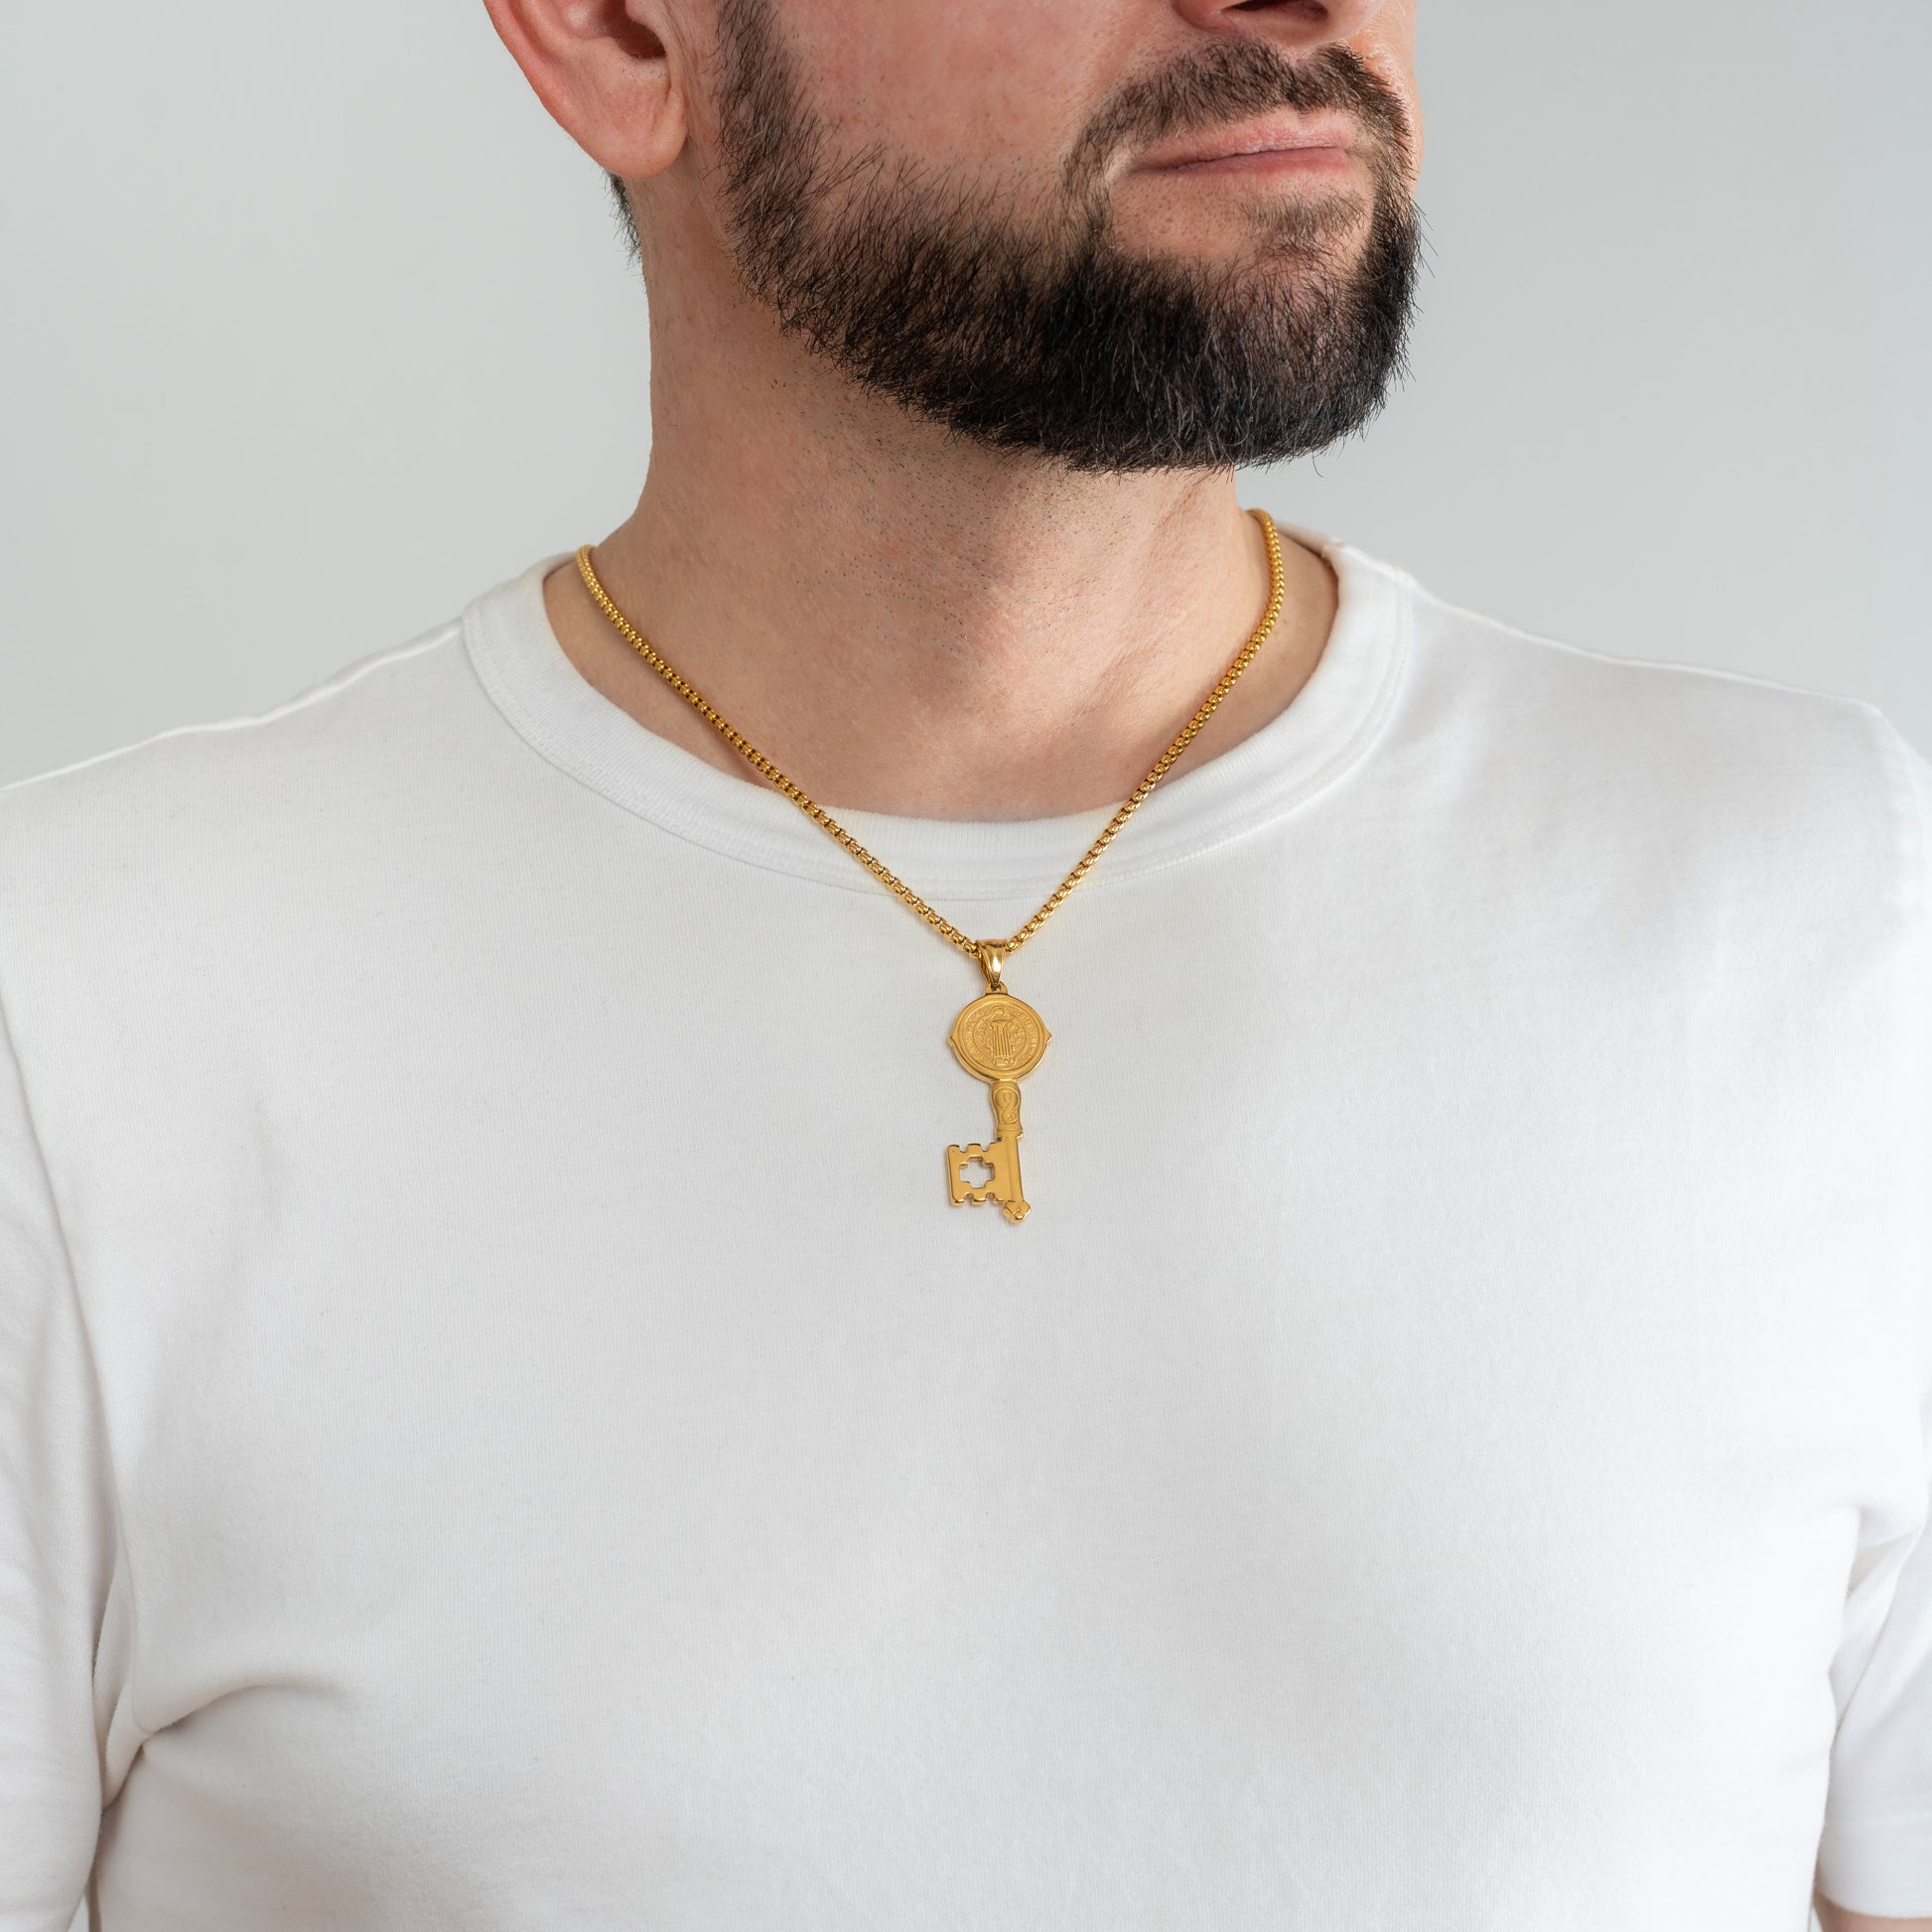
501, 1427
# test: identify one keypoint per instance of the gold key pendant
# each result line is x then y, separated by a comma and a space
998, 1040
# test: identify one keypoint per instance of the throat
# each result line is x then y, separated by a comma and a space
1009, 714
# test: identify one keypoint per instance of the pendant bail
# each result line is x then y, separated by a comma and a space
992, 959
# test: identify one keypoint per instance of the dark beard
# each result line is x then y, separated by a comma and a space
1061, 344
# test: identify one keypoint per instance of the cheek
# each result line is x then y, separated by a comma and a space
964, 85
1394, 31
1388, 49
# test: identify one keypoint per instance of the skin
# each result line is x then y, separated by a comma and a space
1832, 1918
904, 623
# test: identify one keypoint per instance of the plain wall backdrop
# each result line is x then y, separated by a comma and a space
315, 326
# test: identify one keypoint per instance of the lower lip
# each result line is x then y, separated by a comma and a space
1267, 160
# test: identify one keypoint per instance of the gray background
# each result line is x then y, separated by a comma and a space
314, 326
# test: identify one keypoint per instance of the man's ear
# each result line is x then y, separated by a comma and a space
613, 72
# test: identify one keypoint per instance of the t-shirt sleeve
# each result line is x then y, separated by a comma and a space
57, 1545
1875, 1856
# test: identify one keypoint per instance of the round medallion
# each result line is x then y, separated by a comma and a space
999, 1037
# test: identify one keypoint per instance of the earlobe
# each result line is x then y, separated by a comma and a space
609, 72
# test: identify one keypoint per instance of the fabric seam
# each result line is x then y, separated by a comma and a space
331, 686
1596, 654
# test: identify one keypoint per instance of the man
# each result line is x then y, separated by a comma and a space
538, 1390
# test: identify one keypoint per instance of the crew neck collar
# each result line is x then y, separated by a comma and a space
1300, 752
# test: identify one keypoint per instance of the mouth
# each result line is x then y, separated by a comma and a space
1275, 144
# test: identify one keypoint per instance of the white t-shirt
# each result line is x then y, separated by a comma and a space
504, 1426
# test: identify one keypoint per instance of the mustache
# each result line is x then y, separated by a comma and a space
1232, 80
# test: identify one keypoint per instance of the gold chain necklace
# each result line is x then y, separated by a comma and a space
997, 1039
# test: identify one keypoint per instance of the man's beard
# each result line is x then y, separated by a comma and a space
1058, 340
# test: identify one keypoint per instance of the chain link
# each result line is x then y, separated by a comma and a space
943, 926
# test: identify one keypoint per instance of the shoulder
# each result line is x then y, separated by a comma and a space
1650, 749
161, 845
344, 713
235, 784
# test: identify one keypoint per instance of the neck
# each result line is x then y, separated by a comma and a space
906, 623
